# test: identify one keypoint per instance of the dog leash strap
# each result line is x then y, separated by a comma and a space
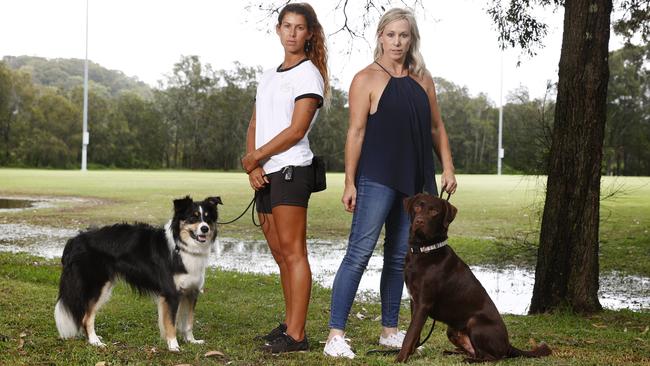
442, 192
428, 335
238, 217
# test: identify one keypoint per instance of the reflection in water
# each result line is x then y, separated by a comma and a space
510, 288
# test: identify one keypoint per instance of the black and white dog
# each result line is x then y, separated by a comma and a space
166, 262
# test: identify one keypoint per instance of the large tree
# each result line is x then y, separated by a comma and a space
567, 264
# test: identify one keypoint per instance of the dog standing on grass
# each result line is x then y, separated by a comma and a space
168, 263
443, 287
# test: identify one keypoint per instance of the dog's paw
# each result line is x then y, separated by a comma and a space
172, 345
95, 341
196, 341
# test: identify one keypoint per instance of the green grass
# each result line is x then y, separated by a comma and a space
235, 307
498, 223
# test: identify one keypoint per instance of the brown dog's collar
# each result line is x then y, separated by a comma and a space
427, 249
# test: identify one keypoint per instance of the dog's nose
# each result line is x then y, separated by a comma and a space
205, 229
418, 221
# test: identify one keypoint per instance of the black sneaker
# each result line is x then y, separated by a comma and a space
273, 334
285, 343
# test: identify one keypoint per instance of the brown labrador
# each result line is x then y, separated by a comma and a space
443, 287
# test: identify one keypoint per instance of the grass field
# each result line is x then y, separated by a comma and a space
498, 223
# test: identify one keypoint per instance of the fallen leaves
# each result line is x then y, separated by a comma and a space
214, 354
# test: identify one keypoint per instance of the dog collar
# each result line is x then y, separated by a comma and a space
427, 249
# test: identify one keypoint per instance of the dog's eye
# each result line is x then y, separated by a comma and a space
197, 214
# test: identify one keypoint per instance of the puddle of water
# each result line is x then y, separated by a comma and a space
19, 203
8, 203
42, 241
510, 288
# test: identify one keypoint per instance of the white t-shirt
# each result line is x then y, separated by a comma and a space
277, 93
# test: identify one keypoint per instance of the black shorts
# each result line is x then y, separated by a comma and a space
278, 191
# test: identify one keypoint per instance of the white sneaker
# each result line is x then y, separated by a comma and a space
393, 340
338, 347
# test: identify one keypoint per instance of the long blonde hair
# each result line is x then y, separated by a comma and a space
315, 48
414, 60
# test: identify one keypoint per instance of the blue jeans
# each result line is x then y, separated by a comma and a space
376, 205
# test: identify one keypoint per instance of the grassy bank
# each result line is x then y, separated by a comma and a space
236, 307
498, 220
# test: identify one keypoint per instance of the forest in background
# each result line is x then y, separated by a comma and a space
196, 118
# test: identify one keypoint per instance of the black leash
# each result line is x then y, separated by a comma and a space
242, 214
390, 351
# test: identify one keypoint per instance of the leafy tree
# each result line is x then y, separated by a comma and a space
147, 135
55, 138
16, 98
627, 134
567, 264
67, 74
327, 137
528, 132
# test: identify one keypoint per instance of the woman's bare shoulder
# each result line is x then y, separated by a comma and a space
426, 81
369, 75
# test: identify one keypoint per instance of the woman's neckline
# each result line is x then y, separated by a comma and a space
280, 69
390, 74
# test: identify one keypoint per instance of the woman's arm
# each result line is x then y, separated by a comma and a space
256, 176
440, 140
303, 112
359, 102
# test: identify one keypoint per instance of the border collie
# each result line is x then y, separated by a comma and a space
168, 263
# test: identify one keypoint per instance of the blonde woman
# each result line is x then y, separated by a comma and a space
278, 162
394, 128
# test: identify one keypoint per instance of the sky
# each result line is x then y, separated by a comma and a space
144, 38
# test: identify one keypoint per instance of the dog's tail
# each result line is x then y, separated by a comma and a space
540, 350
70, 308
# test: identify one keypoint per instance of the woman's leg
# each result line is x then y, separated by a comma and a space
373, 204
392, 274
270, 233
291, 228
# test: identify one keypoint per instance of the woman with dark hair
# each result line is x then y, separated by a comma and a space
278, 162
395, 126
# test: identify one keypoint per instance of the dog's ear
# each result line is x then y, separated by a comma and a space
450, 214
182, 204
408, 203
216, 200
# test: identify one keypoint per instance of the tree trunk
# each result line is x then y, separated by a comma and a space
567, 263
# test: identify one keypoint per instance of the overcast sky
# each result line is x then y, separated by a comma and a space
144, 38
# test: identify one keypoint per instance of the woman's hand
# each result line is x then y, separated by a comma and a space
349, 198
248, 162
448, 181
257, 179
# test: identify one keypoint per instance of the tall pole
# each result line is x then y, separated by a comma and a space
85, 136
500, 151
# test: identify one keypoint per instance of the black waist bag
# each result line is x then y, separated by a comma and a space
320, 182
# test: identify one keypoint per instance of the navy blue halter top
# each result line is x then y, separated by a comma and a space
397, 149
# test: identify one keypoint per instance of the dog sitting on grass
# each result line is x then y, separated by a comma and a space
443, 287
167, 262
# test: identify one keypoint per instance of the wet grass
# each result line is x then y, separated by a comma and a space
498, 220
498, 223
236, 307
